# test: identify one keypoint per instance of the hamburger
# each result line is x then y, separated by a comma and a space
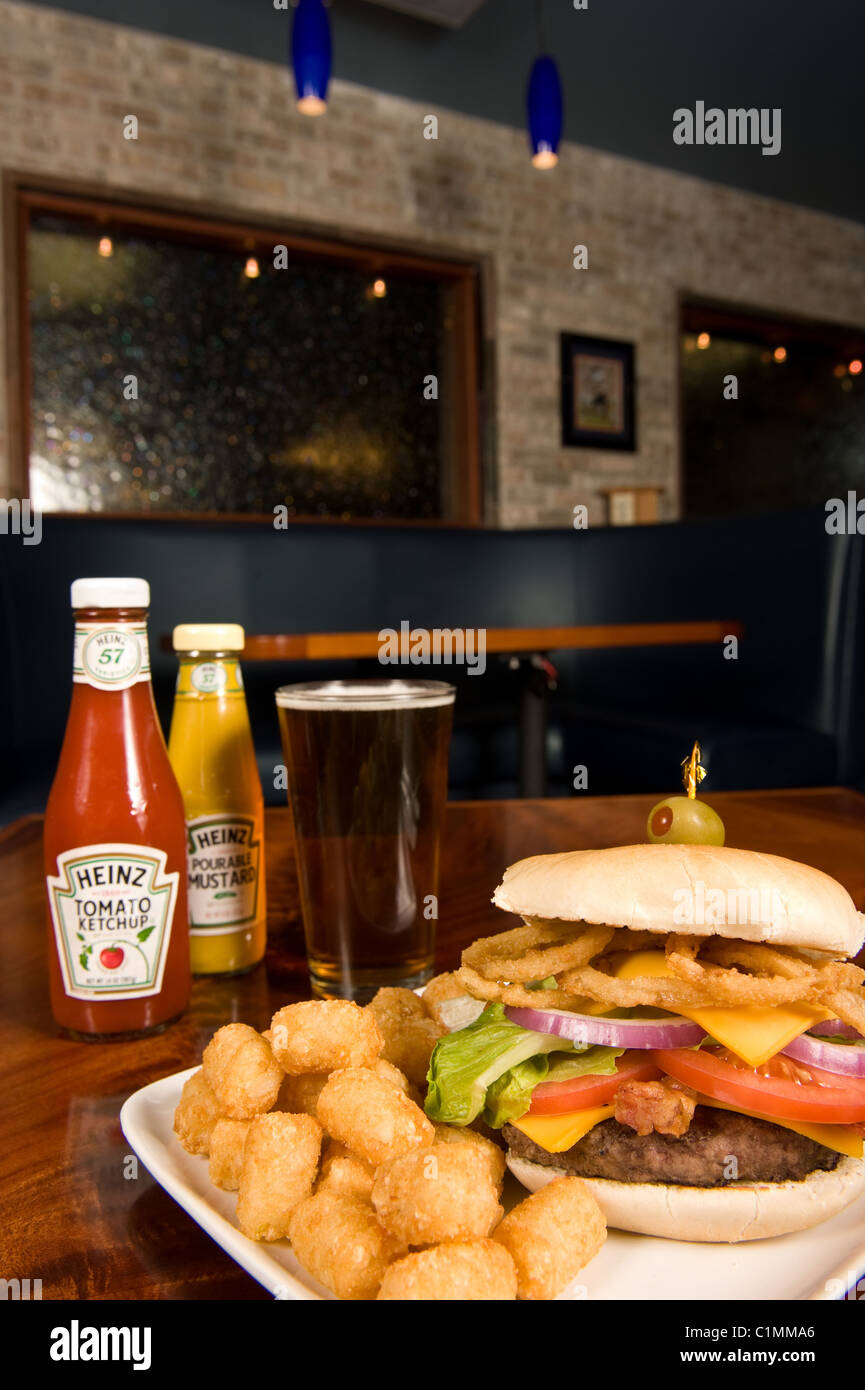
680, 1026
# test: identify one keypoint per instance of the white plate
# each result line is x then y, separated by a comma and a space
817, 1264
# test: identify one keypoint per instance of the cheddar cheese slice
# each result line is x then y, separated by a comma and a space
556, 1133
755, 1033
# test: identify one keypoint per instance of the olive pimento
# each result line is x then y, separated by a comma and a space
684, 820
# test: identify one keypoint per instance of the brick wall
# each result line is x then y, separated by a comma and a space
221, 131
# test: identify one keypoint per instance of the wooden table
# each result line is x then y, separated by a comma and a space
69, 1216
351, 646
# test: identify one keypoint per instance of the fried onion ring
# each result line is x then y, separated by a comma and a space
546, 950
763, 960
780, 975
582, 959
843, 974
518, 996
848, 1006
641, 990
723, 984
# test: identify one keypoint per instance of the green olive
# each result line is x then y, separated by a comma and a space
684, 820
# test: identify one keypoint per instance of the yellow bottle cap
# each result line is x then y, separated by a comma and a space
208, 637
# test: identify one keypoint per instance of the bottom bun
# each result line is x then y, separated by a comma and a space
738, 1212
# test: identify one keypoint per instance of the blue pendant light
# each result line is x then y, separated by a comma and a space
311, 56
545, 106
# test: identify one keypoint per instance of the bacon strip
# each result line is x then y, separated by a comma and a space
665, 1106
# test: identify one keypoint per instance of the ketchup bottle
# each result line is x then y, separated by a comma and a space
115, 839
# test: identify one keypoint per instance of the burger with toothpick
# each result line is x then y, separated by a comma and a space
678, 1023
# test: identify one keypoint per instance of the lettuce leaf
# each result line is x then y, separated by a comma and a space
511, 1095
465, 1064
834, 1038
598, 1061
492, 1066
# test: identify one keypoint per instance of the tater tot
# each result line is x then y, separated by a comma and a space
396, 1004
371, 1117
408, 1036
452, 1134
196, 1115
343, 1171
466, 1272
280, 1161
440, 988
399, 1078
324, 1034
391, 1073
414, 1049
241, 1071
551, 1235
226, 1153
299, 1094
442, 1193
341, 1242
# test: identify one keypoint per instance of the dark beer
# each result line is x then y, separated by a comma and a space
367, 784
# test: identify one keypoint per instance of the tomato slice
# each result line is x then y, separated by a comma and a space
581, 1092
815, 1094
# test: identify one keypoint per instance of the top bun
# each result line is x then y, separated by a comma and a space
697, 890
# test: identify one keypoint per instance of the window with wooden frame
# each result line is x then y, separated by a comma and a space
173, 365
772, 410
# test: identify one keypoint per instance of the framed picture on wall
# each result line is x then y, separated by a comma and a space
597, 393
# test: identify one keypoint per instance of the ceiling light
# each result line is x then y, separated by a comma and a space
311, 56
544, 104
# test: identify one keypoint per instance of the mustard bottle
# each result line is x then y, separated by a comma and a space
213, 758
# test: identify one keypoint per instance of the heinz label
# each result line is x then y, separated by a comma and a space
112, 907
224, 860
198, 678
110, 656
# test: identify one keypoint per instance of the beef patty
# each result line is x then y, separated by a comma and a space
700, 1158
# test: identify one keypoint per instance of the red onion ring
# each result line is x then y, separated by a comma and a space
843, 1061
609, 1032
834, 1028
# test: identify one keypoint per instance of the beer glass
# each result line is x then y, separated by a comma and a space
367, 784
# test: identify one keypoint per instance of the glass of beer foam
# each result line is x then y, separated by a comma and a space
367, 765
